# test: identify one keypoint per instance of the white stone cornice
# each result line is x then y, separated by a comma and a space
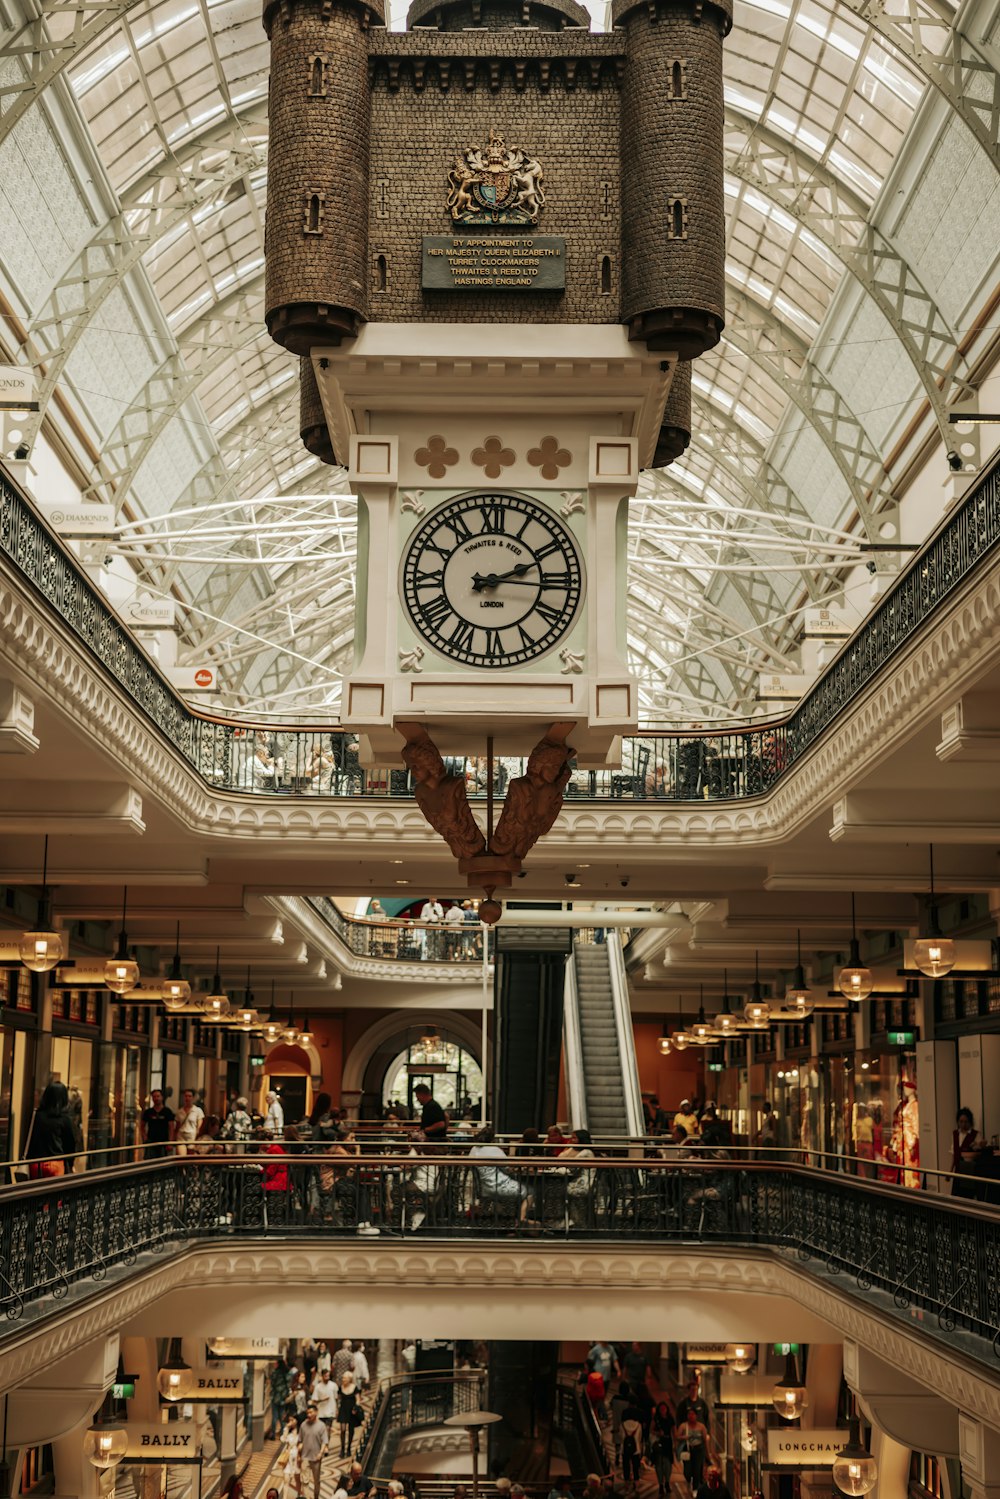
944, 659
443, 1288
323, 939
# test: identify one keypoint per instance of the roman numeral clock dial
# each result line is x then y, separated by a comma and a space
492, 580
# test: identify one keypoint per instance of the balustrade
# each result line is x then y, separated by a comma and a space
921, 1249
722, 763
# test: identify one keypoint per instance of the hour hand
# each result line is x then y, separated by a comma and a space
479, 581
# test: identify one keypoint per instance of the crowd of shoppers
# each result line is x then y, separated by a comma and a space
318, 1401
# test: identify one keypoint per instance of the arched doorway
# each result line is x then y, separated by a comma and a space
452, 1074
287, 1072
383, 1043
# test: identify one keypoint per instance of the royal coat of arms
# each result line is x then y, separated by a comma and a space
495, 184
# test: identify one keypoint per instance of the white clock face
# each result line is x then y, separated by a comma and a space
492, 580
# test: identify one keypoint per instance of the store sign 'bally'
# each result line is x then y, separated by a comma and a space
154, 1441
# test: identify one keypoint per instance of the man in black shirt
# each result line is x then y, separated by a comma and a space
692, 1403
359, 1485
432, 1116
154, 1124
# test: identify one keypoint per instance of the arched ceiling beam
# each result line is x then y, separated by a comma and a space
769, 344
158, 204
60, 32
811, 195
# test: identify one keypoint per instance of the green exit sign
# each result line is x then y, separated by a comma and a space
902, 1038
784, 1349
716, 1066
123, 1390
256, 1061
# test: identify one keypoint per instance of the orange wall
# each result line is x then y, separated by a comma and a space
328, 1031
671, 1078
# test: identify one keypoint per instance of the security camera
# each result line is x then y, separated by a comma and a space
571, 879
955, 461
624, 881
21, 451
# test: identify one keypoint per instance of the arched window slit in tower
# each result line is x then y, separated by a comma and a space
381, 273
677, 80
605, 275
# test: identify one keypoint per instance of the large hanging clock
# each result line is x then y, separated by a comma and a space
492, 580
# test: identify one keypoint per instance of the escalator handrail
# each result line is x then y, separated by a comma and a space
628, 1062
576, 1083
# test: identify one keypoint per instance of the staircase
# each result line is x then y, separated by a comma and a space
602, 1061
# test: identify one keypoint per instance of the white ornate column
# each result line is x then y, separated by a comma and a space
979, 1453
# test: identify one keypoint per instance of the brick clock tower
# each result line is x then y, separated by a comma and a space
496, 240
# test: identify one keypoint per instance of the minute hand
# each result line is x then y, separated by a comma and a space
547, 580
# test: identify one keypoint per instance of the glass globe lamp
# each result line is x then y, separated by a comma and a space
40, 951
701, 1033
680, 1040
273, 1031
855, 1471
220, 1345
935, 957
175, 1380
105, 1446
725, 1023
665, 1045
741, 1357
215, 1006
788, 1397
244, 1018
176, 993
120, 973
757, 1012
799, 1002
855, 981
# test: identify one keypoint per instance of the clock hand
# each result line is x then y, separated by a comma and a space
490, 580
542, 582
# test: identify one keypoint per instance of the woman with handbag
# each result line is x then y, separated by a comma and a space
51, 1146
290, 1460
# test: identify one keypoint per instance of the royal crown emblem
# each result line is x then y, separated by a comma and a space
495, 184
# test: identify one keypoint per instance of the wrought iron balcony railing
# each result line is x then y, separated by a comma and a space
725, 763
906, 1248
404, 941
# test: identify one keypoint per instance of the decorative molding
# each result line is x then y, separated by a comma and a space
324, 940
940, 664
219, 1284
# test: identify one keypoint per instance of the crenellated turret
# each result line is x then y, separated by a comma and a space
313, 429
317, 187
673, 206
497, 15
675, 429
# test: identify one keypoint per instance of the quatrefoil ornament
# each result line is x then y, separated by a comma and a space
436, 457
549, 457
493, 457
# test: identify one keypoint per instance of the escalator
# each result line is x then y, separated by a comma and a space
602, 1074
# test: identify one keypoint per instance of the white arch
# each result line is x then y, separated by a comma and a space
464, 1030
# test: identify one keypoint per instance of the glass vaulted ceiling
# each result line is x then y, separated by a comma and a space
855, 270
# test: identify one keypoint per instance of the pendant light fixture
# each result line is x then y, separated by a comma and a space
680, 1040
757, 1011
799, 997
291, 1030
273, 1029
105, 1444
216, 1002
934, 954
855, 1471
42, 949
176, 990
741, 1357
855, 981
664, 1041
175, 1380
244, 1016
789, 1397
725, 1023
121, 973
701, 1033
